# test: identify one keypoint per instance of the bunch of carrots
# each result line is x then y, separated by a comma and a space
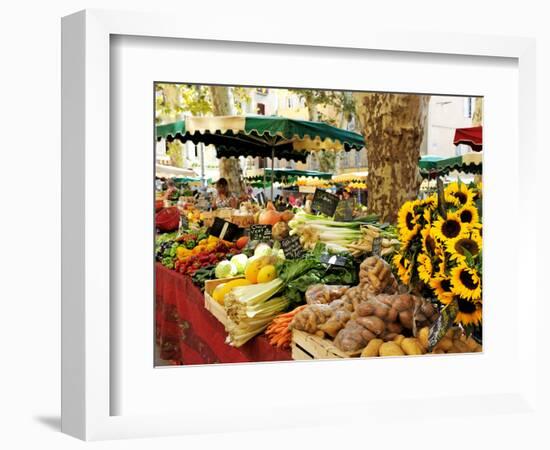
279, 332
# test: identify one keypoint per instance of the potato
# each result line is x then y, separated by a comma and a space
394, 327
423, 337
427, 309
367, 335
411, 346
373, 323
461, 346
392, 315
454, 349
398, 339
372, 348
438, 351
403, 302
387, 336
444, 344
406, 319
365, 309
471, 343
390, 349
381, 310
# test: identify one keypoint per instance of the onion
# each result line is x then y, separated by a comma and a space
269, 217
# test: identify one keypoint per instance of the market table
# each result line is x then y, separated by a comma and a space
188, 334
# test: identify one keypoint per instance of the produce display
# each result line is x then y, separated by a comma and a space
366, 288
356, 237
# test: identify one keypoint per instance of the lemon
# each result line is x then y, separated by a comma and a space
221, 290
267, 273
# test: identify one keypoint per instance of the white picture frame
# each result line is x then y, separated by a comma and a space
87, 326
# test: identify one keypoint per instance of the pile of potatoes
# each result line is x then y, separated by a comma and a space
453, 342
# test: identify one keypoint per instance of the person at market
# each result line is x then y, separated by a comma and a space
346, 195
171, 192
224, 198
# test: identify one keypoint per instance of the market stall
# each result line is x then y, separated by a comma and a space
472, 136
432, 166
262, 136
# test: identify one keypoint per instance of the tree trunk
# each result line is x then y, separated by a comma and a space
230, 168
393, 127
477, 118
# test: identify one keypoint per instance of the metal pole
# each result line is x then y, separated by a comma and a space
265, 187
203, 176
272, 168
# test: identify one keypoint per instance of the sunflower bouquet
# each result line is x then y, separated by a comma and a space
441, 249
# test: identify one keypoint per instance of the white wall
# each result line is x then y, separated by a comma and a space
30, 233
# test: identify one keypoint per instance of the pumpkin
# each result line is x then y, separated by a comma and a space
269, 217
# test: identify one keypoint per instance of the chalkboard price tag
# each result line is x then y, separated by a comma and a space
184, 224
324, 202
442, 324
292, 248
334, 260
261, 233
344, 210
376, 246
225, 230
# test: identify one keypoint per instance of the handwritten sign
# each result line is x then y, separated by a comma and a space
184, 224
292, 248
261, 233
324, 202
344, 210
225, 230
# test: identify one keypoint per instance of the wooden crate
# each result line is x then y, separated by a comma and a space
307, 346
217, 310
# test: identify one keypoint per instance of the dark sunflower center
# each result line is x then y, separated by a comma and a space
468, 245
446, 285
466, 307
467, 279
466, 216
409, 220
430, 244
461, 196
451, 228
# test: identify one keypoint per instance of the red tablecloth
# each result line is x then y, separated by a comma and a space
188, 334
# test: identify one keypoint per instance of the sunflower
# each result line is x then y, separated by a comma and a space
442, 289
468, 215
404, 268
424, 267
430, 202
458, 194
429, 244
469, 313
449, 229
407, 221
440, 262
457, 249
466, 282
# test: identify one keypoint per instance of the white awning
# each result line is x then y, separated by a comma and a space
163, 171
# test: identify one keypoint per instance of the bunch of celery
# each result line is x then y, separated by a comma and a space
336, 235
251, 309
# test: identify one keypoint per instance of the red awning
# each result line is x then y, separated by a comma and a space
472, 136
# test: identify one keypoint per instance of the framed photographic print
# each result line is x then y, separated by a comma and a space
249, 220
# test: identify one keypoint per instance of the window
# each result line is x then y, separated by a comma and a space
260, 109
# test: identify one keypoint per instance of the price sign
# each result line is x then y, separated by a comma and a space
261, 233
442, 324
344, 210
292, 248
324, 202
225, 230
184, 224
334, 260
376, 246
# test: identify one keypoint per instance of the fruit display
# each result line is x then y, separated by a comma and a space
208, 252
